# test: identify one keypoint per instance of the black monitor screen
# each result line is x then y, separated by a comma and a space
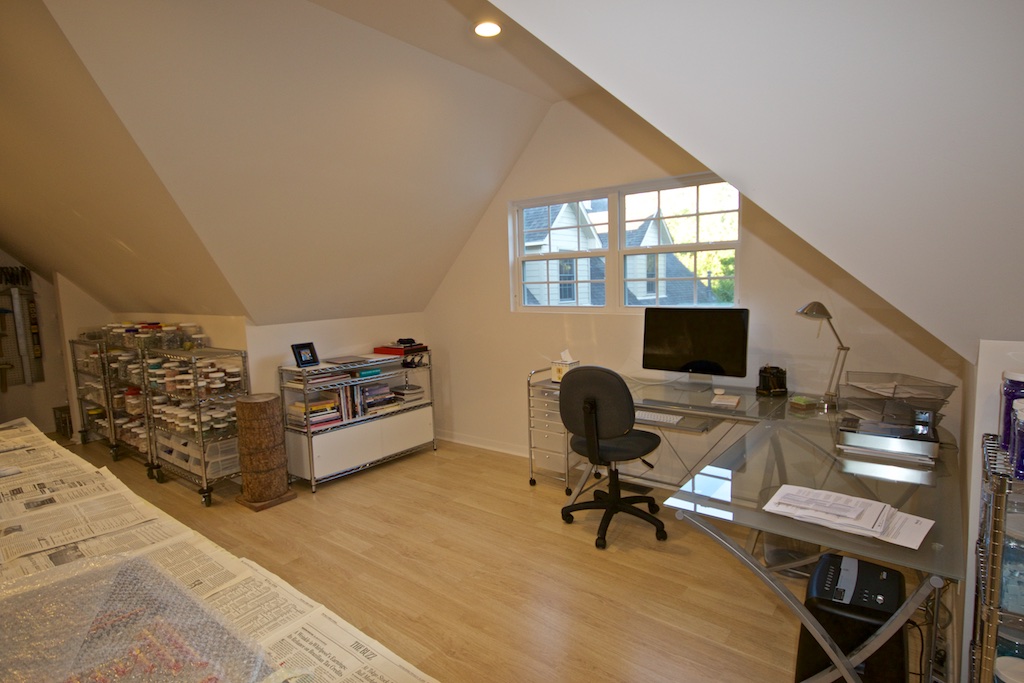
708, 341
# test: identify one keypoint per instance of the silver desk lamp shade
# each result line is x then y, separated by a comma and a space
817, 311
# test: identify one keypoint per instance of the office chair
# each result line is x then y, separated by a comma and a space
597, 410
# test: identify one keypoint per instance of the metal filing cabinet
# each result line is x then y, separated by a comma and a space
549, 442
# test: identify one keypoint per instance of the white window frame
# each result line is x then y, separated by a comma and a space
616, 251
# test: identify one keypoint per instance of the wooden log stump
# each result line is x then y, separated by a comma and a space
261, 455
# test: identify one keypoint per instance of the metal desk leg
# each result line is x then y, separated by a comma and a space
898, 620
581, 484
844, 665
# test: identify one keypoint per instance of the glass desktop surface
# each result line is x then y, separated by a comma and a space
693, 398
801, 451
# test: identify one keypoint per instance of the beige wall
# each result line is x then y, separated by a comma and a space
270, 346
485, 351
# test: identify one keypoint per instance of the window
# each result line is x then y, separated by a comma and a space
551, 232
667, 243
567, 276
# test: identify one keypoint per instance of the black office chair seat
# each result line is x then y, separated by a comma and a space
620, 448
597, 410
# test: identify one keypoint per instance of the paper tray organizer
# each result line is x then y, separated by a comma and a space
895, 397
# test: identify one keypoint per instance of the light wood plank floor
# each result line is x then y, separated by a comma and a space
453, 561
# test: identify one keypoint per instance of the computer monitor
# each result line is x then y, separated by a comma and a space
707, 341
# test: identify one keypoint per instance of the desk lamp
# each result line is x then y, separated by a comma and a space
817, 311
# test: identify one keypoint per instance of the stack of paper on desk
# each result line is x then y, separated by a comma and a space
851, 514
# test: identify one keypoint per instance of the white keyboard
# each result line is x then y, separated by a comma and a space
651, 416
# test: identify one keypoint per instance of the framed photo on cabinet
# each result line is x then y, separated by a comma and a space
305, 355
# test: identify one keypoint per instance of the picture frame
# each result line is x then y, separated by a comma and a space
305, 355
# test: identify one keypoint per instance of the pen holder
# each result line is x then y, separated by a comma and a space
560, 367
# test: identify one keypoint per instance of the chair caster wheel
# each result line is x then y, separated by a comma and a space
601, 543
567, 518
661, 534
653, 508
568, 491
533, 482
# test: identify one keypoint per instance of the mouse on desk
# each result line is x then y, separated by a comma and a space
718, 391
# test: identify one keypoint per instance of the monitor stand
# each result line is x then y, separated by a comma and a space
694, 383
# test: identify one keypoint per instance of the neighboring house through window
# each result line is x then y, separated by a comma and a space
666, 243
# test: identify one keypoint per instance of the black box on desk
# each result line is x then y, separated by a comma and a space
851, 598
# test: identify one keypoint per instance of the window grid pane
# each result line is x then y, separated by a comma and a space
681, 278
564, 282
569, 226
675, 246
698, 214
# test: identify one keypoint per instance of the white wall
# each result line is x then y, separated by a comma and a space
267, 346
270, 346
484, 351
78, 312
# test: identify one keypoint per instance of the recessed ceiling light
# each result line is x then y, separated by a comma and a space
487, 29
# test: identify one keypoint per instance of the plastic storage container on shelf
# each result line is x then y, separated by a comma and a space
1009, 642
1012, 585
1008, 670
1016, 449
1013, 388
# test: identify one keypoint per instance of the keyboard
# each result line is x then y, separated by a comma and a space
651, 416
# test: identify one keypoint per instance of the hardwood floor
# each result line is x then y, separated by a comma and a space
450, 559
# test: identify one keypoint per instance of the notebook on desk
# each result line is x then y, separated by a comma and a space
725, 401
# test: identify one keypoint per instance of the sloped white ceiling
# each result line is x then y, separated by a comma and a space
248, 157
77, 196
888, 135
284, 160
301, 146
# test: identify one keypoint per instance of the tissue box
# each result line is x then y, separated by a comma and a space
560, 367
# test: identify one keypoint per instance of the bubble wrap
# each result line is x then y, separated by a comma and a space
115, 619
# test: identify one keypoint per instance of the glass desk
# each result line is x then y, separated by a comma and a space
695, 399
801, 450
707, 428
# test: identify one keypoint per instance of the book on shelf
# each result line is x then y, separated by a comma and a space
324, 426
409, 392
311, 407
400, 349
383, 405
346, 360
299, 413
315, 422
318, 404
312, 383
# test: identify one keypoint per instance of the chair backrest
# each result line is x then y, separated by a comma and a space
602, 389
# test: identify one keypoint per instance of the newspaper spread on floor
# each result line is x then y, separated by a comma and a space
57, 510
